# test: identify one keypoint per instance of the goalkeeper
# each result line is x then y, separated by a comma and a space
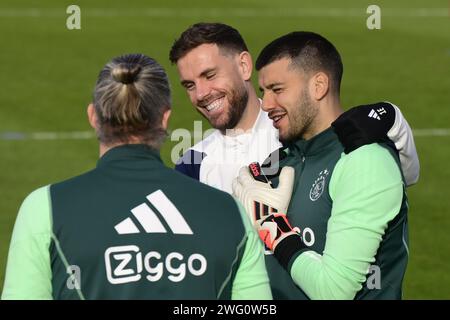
344, 233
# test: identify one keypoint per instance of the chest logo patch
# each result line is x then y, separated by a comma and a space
318, 185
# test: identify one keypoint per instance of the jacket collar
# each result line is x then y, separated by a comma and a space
316, 144
129, 152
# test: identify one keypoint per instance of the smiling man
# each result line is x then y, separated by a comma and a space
217, 86
215, 68
344, 234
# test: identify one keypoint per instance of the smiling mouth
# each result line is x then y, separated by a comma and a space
277, 117
216, 104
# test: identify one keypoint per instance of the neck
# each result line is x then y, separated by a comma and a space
251, 112
329, 110
105, 148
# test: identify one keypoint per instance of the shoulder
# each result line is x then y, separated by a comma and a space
210, 142
371, 153
75, 186
191, 157
199, 201
83, 178
200, 191
34, 215
38, 197
368, 164
190, 162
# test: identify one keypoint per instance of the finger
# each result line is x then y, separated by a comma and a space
245, 176
287, 176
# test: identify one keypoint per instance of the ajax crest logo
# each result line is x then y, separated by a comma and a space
318, 185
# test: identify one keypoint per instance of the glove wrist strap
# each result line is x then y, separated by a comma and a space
287, 248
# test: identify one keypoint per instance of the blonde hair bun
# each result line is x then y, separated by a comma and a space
126, 73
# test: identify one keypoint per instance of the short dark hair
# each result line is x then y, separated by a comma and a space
308, 50
224, 36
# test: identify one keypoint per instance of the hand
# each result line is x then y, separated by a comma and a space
274, 229
258, 197
253, 189
364, 124
380, 122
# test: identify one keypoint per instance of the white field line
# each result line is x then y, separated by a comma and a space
433, 132
71, 135
225, 12
86, 135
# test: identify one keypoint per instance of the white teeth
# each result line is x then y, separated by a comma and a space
276, 118
214, 105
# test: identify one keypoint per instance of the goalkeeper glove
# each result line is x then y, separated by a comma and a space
364, 124
273, 229
257, 195
278, 235
380, 122
252, 188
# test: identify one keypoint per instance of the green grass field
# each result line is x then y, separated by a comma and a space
47, 74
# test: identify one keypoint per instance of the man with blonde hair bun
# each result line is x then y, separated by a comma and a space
131, 228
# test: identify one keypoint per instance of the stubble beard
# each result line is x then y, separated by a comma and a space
301, 120
237, 104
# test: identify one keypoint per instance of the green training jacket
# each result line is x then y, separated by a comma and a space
133, 229
352, 213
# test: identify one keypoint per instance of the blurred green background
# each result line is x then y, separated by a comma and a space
47, 74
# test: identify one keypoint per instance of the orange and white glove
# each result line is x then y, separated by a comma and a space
267, 206
258, 196
273, 229
278, 235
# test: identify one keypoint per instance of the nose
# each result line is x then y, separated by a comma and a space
268, 102
202, 90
